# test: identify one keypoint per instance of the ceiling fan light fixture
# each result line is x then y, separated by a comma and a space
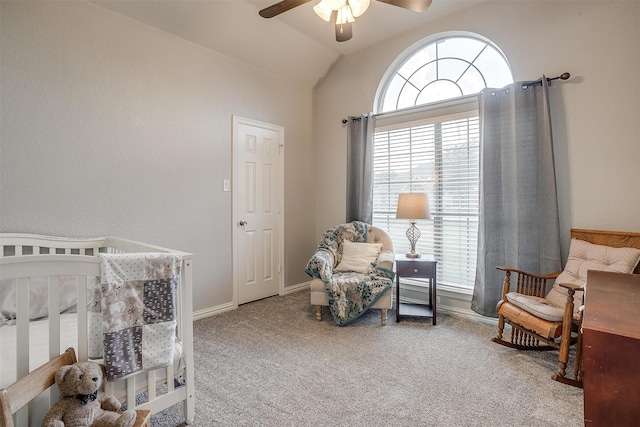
335, 4
344, 15
358, 7
323, 10
345, 11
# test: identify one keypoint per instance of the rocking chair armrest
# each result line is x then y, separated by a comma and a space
572, 286
570, 304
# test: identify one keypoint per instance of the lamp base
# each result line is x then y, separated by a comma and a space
413, 234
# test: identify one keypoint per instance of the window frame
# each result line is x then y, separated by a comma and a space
429, 112
408, 53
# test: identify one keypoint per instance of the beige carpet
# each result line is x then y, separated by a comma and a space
271, 363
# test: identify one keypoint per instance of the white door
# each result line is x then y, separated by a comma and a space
257, 214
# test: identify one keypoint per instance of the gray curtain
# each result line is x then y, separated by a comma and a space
518, 223
360, 168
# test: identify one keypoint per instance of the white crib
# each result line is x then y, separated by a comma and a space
26, 344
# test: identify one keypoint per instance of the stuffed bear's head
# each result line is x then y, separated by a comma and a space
82, 378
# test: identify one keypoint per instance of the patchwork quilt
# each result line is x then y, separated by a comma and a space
133, 314
350, 294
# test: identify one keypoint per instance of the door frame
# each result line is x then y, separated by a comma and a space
235, 227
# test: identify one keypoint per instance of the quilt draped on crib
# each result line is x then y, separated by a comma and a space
350, 294
133, 316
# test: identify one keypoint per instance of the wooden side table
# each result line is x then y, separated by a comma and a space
418, 268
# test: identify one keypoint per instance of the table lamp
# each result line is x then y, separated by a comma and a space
413, 206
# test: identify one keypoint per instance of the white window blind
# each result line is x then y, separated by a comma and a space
437, 152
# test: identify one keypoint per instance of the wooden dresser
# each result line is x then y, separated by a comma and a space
611, 349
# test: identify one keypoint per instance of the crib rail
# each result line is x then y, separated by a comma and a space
16, 244
24, 256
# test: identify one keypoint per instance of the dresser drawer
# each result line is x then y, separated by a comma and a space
414, 269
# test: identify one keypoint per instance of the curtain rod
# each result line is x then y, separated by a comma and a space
353, 119
563, 76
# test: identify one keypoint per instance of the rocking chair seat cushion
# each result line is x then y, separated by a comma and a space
529, 321
540, 307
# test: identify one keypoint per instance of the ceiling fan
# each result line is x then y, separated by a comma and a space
342, 12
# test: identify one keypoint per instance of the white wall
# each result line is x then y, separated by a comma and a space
596, 114
110, 127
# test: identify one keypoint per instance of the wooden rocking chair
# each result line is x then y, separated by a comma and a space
555, 318
20, 393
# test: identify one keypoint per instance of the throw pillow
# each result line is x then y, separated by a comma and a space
358, 257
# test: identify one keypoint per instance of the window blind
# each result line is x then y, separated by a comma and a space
437, 155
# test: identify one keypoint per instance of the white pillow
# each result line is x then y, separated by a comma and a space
358, 256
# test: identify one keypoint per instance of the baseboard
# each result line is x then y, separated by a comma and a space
211, 311
208, 312
469, 314
450, 300
295, 288
444, 295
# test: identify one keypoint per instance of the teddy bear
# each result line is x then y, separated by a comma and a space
81, 404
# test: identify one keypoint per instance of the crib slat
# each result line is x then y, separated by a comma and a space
151, 388
22, 339
83, 328
54, 316
22, 327
131, 392
170, 376
186, 320
108, 388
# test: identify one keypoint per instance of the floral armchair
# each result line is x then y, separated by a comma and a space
352, 272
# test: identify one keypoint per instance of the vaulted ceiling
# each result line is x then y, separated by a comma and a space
296, 45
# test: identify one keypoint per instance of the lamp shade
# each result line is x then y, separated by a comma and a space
413, 206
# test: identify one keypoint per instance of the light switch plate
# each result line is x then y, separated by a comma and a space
226, 185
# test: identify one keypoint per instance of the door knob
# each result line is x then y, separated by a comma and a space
243, 223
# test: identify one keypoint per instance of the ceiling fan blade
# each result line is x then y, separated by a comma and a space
280, 7
415, 5
344, 32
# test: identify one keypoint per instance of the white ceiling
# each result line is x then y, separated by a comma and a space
296, 45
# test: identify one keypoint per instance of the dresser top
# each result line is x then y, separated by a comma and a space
612, 303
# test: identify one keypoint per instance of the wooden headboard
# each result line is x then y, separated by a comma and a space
616, 239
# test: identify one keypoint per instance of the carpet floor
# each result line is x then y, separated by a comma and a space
271, 363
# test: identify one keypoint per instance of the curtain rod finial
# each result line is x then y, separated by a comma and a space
565, 76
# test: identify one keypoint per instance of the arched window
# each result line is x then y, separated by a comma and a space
444, 68
427, 141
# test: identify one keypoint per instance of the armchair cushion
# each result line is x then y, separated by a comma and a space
386, 260
585, 256
358, 257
